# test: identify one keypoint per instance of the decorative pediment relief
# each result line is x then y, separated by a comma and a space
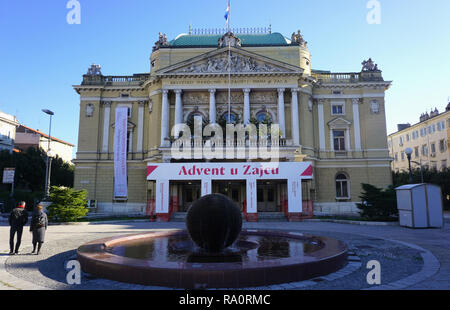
339, 123
239, 62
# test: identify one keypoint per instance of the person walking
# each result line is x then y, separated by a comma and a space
38, 226
17, 219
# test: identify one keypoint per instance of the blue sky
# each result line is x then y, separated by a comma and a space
42, 56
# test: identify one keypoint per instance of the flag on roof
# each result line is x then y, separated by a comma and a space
227, 13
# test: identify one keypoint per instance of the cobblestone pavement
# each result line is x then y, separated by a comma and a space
410, 259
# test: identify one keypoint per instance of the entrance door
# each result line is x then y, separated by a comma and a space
232, 189
267, 197
190, 193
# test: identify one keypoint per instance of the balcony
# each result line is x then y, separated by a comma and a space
111, 80
345, 78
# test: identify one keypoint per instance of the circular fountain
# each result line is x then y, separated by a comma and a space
213, 253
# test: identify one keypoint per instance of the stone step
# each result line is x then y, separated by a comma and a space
272, 217
262, 217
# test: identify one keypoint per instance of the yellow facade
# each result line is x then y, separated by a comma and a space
429, 139
268, 71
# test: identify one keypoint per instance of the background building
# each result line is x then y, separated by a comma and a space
429, 139
8, 125
27, 137
333, 121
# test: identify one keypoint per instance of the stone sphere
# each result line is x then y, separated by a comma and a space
214, 222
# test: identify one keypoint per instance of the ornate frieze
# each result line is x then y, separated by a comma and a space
236, 64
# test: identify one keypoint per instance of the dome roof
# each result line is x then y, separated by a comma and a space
272, 39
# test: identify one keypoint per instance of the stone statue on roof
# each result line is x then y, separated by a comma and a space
297, 38
162, 42
94, 70
229, 39
369, 65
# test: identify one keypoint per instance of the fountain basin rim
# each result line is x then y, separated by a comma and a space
96, 250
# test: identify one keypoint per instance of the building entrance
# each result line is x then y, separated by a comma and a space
185, 193
269, 195
235, 190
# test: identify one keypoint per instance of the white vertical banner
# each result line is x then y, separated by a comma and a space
295, 200
206, 187
252, 206
120, 153
162, 196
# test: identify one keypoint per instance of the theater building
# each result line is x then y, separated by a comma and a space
331, 136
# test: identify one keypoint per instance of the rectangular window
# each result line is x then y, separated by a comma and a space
338, 109
403, 156
128, 141
401, 141
433, 148
444, 164
423, 132
396, 157
424, 150
407, 138
339, 140
416, 151
442, 146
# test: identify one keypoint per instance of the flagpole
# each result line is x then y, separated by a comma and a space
229, 64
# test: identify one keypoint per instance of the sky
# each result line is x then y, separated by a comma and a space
42, 56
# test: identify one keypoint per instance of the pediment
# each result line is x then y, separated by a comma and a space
339, 123
217, 62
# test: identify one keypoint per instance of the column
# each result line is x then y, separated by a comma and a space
165, 117
246, 106
321, 126
178, 109
281, 118
140, 131
357, 126
106, 121
295, 120
212, 106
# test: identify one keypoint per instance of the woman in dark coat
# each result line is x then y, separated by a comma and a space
38, 226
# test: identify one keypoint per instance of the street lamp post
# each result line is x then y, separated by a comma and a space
49, 157
409, 152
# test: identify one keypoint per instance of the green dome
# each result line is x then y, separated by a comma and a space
272, 39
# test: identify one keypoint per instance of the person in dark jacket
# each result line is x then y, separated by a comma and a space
38, 226
17, 219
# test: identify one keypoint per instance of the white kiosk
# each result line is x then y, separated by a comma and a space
420, 206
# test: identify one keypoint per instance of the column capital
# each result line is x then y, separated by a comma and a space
356, 101
281, 90
178, 91
212, 90
106, 104
142, 103
295, 90
165, 91
246, 91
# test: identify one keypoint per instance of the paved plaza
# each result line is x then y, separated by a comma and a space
410, 259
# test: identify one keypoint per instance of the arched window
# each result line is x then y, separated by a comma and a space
191, 116
342, 186
233, 117
263, 117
